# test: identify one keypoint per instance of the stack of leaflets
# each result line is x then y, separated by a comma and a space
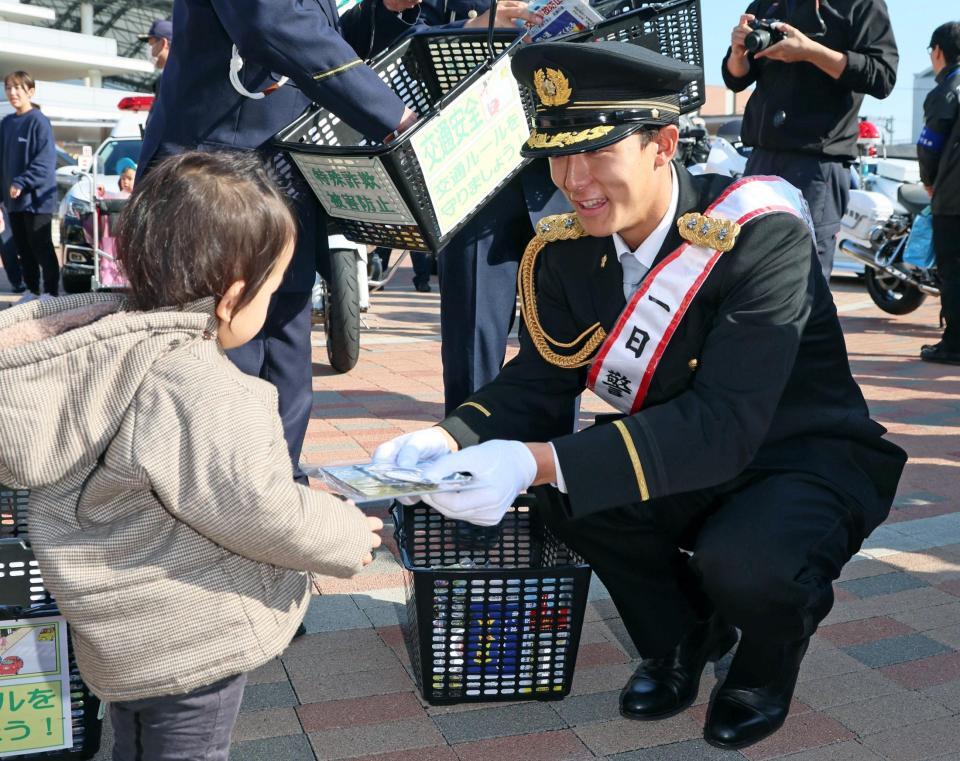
562, 17
365, 482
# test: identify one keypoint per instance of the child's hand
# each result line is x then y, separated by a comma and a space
375, 525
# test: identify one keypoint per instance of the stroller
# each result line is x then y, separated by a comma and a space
90, 261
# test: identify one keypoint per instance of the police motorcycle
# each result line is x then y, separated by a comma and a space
876, 231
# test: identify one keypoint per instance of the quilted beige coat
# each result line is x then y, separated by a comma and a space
162, 510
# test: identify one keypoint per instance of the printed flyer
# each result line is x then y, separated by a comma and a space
34, 686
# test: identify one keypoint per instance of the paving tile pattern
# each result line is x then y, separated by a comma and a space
881, 680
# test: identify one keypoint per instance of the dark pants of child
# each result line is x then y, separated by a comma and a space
195, 726
32, 237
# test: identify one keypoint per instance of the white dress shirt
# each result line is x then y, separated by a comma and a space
636, 264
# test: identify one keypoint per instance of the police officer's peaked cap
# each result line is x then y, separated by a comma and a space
592, 94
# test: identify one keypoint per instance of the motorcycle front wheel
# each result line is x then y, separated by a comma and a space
891, 294
342, 310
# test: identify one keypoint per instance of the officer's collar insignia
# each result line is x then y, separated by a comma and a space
700, 230
560, 227
552, 87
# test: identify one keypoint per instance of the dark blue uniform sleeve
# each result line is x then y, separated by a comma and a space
940, 113
295, 38
42, 164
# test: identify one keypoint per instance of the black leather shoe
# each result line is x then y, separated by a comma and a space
754, 700
422, 287
665, 686
938, 353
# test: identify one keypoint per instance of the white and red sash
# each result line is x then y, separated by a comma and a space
627, 359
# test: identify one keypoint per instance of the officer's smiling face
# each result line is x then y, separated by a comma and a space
623, 188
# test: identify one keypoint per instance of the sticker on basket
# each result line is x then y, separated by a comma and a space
353, 187
35, 709
471, 145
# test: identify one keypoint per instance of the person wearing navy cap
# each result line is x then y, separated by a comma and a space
158, 38
741, 470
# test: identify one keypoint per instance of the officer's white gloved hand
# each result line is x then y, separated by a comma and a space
503, 468
411, 448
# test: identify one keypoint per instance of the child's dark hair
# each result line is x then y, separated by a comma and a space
199, 222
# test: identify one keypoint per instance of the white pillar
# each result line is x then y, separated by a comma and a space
94, 78
86, 18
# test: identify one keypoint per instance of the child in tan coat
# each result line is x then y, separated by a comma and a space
163, 510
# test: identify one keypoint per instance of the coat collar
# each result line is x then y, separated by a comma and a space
607, 275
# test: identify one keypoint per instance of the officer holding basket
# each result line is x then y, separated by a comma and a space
742, 469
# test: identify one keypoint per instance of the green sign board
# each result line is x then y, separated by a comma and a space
471, 145
35, 707
354, 188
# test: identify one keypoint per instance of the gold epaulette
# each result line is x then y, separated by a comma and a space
701, 230
549, 230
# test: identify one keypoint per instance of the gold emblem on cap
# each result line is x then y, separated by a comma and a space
552, 87
655, 113
700, 230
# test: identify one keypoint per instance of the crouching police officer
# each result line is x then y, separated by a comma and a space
696, 307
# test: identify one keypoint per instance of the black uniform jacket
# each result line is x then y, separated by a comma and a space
796, 106
770, 390
938, 148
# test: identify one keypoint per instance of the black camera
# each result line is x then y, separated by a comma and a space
764, 35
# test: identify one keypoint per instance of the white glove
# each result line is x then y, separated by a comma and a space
408, 450
504, 469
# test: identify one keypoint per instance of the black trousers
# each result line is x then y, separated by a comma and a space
762, 552
946, 247
280, 354
32, 237
825, 185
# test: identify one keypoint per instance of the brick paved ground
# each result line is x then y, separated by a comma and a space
882, 678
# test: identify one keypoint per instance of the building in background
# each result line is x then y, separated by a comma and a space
84, 57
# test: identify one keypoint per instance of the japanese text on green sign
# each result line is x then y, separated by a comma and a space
467, 149
354, 188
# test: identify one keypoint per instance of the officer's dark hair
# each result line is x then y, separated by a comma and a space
947, 38
19, 78
196, 224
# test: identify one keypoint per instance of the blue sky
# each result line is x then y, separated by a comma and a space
913, 21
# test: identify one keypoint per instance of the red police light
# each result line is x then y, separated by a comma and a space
136, 103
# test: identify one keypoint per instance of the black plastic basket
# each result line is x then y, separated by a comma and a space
670, 28
23, 596
492, 614
427, 71
13, 511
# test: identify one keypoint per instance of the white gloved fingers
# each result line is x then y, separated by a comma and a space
486, 507
409, 455
387, 451
409, 449
460, 503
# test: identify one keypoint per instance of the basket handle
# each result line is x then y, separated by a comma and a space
491, 25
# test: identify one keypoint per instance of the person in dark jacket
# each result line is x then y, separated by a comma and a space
200, 108
802, 118
742, 469
28, 161
938, 150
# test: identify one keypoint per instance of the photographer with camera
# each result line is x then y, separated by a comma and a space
812, 63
